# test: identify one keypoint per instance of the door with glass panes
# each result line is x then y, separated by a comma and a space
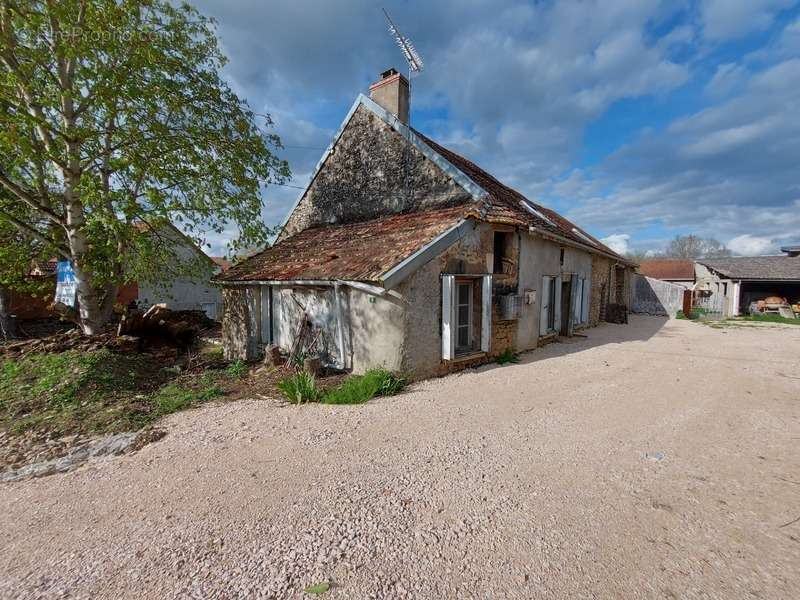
463, 317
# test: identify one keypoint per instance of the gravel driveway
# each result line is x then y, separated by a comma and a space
657, 460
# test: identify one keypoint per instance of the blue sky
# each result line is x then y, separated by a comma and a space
639, 119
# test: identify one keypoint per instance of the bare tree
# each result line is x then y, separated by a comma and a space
692, 246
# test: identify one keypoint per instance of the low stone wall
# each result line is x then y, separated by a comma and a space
656, 297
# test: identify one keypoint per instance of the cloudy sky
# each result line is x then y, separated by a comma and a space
639, 119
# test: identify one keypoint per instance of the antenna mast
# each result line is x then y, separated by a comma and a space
414, 60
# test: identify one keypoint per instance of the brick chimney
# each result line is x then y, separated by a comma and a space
391, 92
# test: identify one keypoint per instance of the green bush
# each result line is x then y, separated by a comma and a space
236, 369
360, 388
506, 357
299, 388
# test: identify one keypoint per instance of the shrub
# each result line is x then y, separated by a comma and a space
507, 356
299, 388
236, 369
360, 388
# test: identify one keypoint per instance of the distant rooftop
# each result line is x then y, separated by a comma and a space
783, 268
670, 269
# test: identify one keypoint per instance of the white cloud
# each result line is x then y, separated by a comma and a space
730, 19
727, 78
618, 242
750, 245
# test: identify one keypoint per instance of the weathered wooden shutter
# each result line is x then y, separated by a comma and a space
253, 296
575, 303
545, 314
448, 317
587, 289
557, 308
486, 313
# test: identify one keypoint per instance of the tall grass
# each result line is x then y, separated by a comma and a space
360, 388
302, 387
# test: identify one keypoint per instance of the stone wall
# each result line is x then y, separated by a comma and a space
372, 172
604, 287
602, 277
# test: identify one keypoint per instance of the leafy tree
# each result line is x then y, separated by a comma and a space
18, 254
692, 246
113, 115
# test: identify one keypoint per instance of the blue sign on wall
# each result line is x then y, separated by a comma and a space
66, 285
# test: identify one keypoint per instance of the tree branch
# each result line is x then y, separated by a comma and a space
32, 232
29, 199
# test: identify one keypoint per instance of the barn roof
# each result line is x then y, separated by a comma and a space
774, 268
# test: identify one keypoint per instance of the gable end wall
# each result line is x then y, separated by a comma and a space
365, 177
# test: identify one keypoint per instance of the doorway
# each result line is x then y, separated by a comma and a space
566, 302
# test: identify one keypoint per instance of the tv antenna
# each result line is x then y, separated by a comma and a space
414, 60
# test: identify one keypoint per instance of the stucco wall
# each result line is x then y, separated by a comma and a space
377, 329
373, 326
369, 175
539, 258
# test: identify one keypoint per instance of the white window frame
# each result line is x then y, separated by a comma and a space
449, 317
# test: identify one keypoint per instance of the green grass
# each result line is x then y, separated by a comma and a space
300, 388
360, 388
507, 357
769, 318
357, 389
95, 392
237, 369
694, 315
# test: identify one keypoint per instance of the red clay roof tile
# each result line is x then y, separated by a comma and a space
353, 252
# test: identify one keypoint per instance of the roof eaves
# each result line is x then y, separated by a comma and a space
410, 264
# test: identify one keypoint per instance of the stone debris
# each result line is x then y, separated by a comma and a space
113, 445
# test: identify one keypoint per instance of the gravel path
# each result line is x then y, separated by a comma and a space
657, 460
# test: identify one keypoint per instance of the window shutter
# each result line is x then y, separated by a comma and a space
545, 295
557, 308
486, 313
587, 288
266, 317
448, 317
575, 303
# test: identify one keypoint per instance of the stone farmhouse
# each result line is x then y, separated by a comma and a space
405, 255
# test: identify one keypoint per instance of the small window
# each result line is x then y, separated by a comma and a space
502, 251
561, 257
